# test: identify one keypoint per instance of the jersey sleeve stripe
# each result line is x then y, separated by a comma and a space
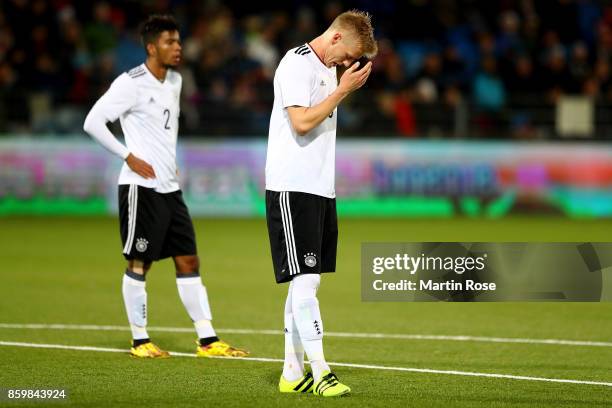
135, 72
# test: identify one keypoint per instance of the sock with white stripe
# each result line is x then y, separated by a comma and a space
307, 317
195, 299
135, 300
293, 368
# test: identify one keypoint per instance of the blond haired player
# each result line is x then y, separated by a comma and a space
300, 193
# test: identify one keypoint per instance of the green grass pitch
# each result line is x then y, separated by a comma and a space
68, 271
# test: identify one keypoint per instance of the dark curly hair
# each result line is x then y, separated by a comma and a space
154, 26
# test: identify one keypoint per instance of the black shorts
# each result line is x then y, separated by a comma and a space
154, 225
303, 230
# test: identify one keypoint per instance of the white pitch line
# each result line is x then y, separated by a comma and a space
351, 365
116, 350
560, 342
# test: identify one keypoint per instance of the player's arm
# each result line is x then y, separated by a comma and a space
304, 119
119, 98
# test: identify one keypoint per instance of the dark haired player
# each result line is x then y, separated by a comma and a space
154, 220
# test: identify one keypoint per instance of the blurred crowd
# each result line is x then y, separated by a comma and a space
500, 64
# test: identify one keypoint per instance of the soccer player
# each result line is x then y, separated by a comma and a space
154, 219
300, 193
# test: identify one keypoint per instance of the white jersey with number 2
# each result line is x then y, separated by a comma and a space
148, 110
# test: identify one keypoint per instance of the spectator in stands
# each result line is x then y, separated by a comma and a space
64, 57
522, 78
428, 82
489, 95
556, 79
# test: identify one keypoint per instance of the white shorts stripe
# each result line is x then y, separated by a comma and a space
282, 208
132, 211
286, 231
129, 223
135, 213
294, 267
290, 221
290, 224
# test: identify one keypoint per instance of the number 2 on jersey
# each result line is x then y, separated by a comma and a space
167, 116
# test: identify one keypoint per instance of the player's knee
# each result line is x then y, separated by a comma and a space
306, 286
187, 264
139, 267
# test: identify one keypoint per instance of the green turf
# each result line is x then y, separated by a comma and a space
68, 270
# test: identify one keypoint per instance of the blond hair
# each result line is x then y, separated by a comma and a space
358, 23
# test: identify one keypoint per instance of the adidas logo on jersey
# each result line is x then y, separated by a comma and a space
322, 83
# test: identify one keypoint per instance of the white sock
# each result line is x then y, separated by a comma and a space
307, 317
135, 299
195, 299
204, 329
293, 368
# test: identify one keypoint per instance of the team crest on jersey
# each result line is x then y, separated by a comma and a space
141, 244
310, 260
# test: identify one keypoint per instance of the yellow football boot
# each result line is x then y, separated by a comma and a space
329, 386
303, 384
148, 350
220, 348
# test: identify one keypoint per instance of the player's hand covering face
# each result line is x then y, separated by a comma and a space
355, 76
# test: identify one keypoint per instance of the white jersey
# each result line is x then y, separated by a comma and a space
301, 163
148, 111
